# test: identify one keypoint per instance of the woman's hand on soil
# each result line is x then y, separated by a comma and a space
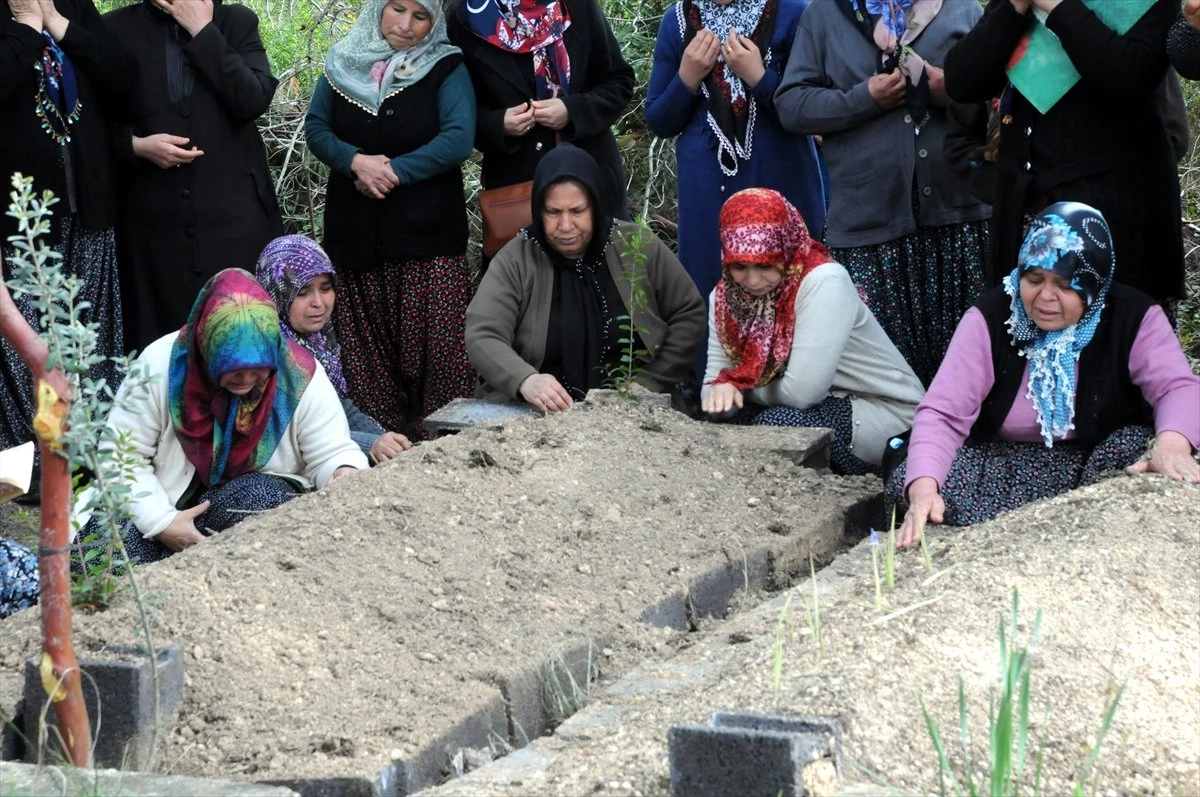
389, 445
341, 472
518, 120
191, 15
888, 90
722, 398
545, 392
551, 113
742, 55
182, 533
925, 505
373, 175
165, 150
1171, 456
699, 58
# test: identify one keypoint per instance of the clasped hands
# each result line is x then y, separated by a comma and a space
740, 52
39, 15
191, 15
520, 119
373, 175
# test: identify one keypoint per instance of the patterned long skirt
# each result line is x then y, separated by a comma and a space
989, 478
919, 285
836, 413
92, 258
231, 503
19, 579
403, 333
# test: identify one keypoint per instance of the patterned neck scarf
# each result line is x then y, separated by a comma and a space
526, 26
1073, 241
893, 26
732, 109
57, 103
285, 266
759, 226
366, 70
233, 325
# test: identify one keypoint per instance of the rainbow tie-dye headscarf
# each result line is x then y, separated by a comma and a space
233, 325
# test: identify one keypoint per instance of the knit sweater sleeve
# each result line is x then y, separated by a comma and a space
806, 100
1183, 48
454, 141
823, 322
1158, 366
322, 432
318, 131
493, 316
682, 311
951, 406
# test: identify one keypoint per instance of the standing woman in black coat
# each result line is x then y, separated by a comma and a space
195, 191
1102, 142
544, 69
59, 68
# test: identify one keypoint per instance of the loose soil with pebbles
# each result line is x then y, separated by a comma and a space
341, 630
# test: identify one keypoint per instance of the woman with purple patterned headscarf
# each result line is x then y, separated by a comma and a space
297, 274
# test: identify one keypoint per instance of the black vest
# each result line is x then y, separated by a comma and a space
1105, 396
414, 222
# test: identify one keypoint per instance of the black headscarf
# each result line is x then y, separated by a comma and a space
584, 330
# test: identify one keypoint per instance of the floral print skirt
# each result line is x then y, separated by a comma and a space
989, 478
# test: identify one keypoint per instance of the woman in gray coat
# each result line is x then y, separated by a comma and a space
906, 228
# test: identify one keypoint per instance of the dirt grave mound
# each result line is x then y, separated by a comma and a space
464, 595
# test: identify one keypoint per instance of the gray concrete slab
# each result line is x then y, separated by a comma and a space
51, 781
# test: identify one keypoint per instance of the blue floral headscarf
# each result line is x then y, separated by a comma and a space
1073, 241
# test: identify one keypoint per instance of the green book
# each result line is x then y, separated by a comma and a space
1041, 69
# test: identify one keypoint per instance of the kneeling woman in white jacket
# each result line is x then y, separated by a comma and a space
235, 420
788, 331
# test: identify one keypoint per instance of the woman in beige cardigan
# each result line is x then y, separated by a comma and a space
545, 324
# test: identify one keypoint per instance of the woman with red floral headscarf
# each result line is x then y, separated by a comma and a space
788, 331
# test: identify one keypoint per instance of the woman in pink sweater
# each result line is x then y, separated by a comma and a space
1051, 379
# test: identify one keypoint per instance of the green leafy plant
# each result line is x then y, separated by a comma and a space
622, 374
1008, 726
73, 405
875, 546
812, 612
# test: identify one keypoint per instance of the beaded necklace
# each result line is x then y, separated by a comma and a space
57, 102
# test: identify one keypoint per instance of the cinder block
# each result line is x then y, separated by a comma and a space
756, 756
463, 413
119, 694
